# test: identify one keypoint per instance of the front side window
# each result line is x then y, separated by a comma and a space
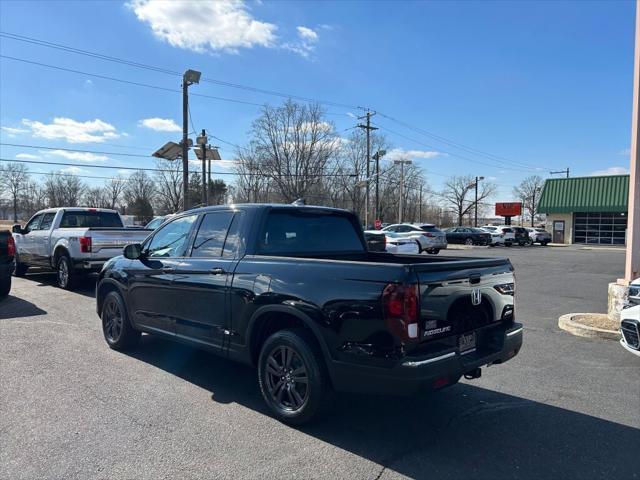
171, 240
291, 231
33, 224
212, 234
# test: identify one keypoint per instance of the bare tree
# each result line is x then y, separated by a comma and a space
169, 185
113, 191
13, 179
459, 192
253, 182
529, 194
64, 190
139, 194
293, 145
96, 197
32, 199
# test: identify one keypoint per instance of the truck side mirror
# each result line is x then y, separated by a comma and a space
17, 228
133, 251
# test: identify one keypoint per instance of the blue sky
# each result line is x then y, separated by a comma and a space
537, 85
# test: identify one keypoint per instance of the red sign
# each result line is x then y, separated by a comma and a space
508, 209
377, 224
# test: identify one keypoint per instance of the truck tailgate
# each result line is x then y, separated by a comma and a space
110, 242
462, 296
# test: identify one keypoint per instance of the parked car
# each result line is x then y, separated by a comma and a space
507, 233
630, 329
294, 291
7, 252
633, 294
71, 241
521, 236
538, 235
468, 236
430, 238
497, 237
379, 241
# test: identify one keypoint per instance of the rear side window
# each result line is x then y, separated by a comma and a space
90, 219
308, 231
212, 234
47, 220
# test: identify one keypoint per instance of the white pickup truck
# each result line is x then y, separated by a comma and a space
72, 241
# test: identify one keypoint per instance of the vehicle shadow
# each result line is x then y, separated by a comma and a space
14, 307
461, 432
86, 285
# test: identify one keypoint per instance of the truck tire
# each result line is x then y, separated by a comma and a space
65, 274
5, 287
292, 375
19, 269
116, 328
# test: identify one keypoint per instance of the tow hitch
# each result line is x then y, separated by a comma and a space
475, 373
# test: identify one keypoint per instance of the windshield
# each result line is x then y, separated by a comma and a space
309, 231
89, 219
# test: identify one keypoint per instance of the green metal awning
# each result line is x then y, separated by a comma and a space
585, 194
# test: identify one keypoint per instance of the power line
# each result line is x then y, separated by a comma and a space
448, 152
147, 169
461, 146
100, 56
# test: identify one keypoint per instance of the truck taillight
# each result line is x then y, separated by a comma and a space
85, 244
11, 246
401, 310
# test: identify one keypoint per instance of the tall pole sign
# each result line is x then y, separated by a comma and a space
632, 261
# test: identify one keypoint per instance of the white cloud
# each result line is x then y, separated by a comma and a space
13, 132
306, 33
223, 164
399, 153
160, 124
205, 25
610, 171
80, 156
27, 156
306, 43
91, 131
625, 152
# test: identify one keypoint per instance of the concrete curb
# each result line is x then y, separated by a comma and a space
566, 323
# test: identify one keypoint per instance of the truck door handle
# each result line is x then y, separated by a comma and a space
217, 271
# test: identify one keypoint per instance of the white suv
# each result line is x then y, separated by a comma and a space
506, 231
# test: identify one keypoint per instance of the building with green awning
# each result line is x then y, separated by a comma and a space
590, 210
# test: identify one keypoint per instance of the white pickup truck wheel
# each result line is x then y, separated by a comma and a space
65, 275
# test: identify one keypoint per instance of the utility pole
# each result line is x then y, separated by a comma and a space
566, 171
475, 215
367, 127
420, 205
402, 164
203, 146
189, 78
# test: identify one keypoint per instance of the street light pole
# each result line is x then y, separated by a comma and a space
189, 78
203, 146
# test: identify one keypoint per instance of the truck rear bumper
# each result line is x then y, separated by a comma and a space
90, 265
414, 374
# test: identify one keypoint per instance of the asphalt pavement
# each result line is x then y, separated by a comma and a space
565, 407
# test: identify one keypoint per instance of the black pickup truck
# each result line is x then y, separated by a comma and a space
7, 253
294, 291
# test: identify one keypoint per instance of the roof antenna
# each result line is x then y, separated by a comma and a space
300, 202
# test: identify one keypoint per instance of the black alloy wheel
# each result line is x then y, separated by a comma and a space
286, 379
292, 375
116, 328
